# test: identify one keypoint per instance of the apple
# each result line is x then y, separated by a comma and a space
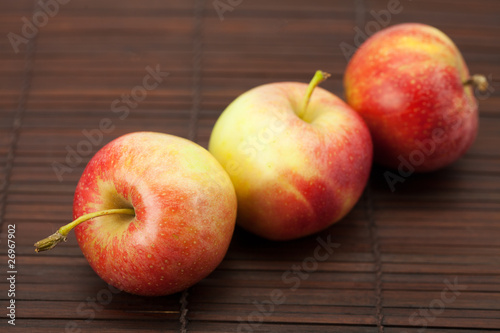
412, 87
159, 213
299, 161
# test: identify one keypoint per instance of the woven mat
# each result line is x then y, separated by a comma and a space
424, 258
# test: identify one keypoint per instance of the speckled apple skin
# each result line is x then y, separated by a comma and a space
185, 207
293, 177
406, 81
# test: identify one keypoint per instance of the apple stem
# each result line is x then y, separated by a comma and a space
478, 81
61, 234
319, 77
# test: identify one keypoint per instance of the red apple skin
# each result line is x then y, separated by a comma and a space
406, 81
185, 208
305, 174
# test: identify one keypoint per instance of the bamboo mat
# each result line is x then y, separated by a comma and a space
425, 258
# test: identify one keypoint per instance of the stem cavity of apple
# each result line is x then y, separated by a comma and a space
319, 77
478, 81
61, 234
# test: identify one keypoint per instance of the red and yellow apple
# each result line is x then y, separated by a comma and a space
299, 157
158, 211
412, 87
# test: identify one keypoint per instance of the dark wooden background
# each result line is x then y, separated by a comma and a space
400, 253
